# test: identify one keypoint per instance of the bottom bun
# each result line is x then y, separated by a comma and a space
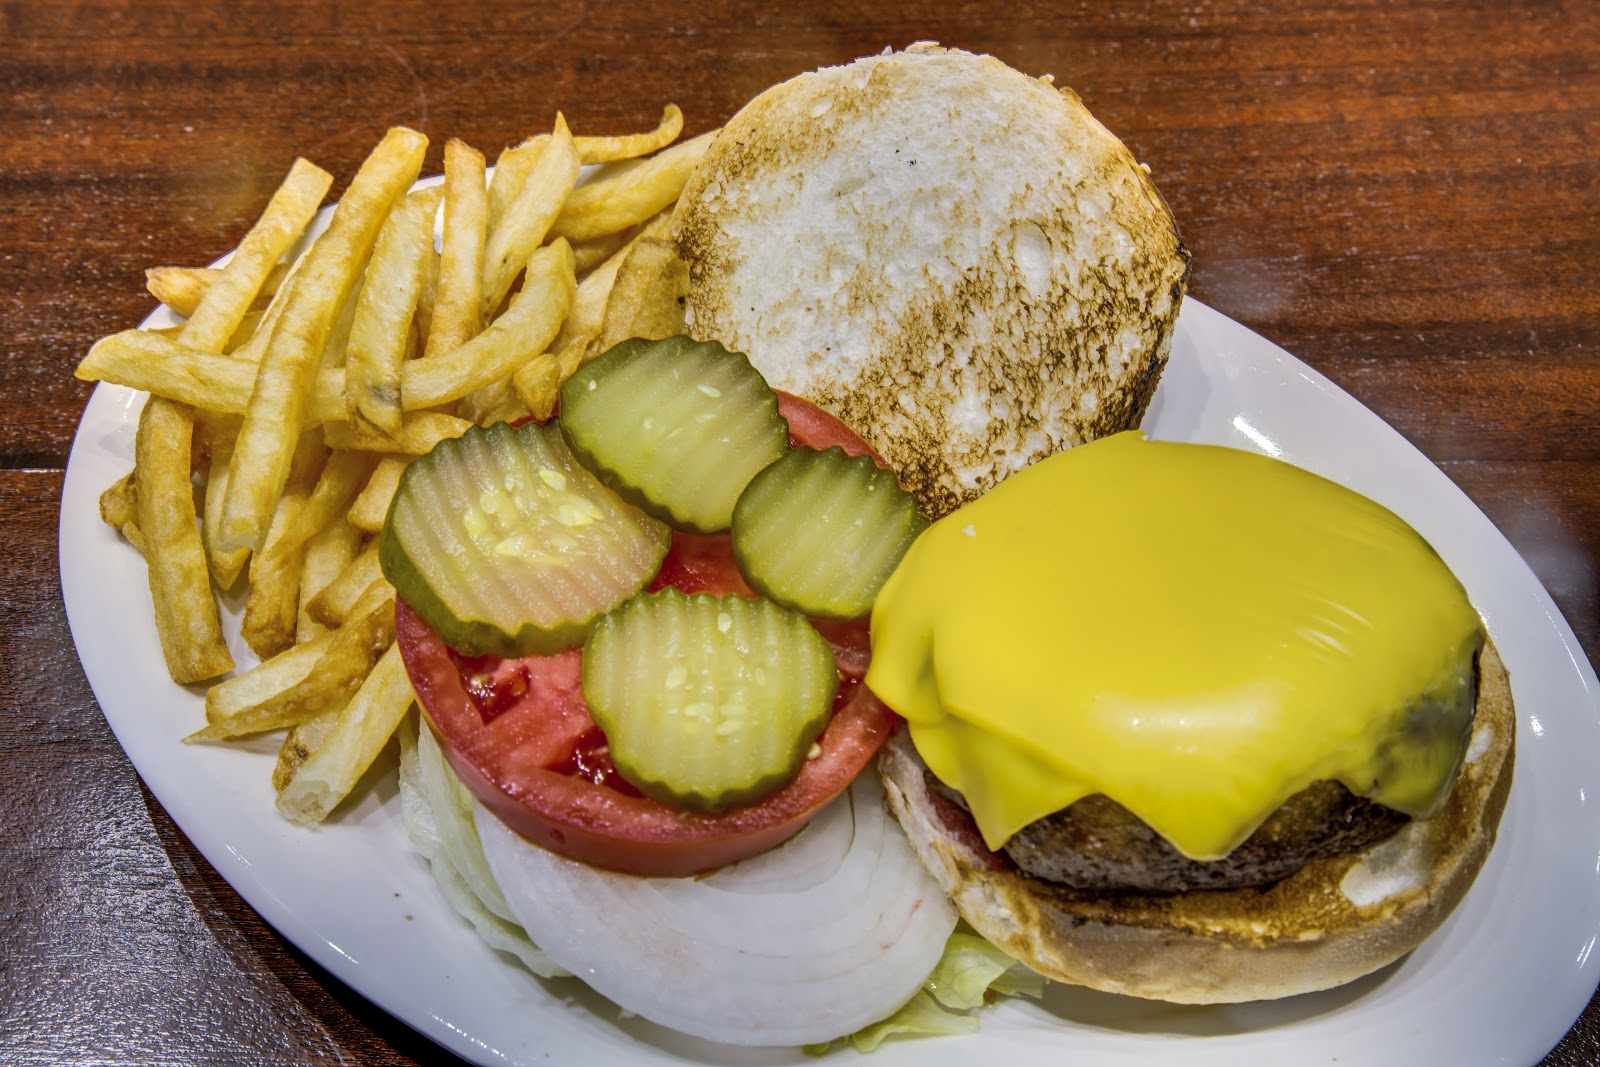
1329, 923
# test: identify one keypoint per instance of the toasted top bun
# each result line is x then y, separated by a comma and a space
1330, 923
952, 257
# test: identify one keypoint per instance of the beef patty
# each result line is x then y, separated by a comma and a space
1098, 844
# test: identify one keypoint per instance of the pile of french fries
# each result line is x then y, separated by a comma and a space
310, 370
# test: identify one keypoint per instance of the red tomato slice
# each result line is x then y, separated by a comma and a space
809, 425
519, 735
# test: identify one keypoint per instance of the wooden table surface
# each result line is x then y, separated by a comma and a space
1403, 194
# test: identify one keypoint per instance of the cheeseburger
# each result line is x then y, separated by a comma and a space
1190, 723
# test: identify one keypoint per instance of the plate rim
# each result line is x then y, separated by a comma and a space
1195, 318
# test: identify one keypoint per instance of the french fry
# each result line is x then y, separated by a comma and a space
265, 680
338, 672
119, 509
140, 359
337, 487
420, 431
539, 382
337, 346
272, 604
383, 317
589, 302
213, 432
528, 325
271, 618
571, 357
187, 620
425, 301
246, 332
510, 171
214, 437
298, 744
363, 729
229, 295
590, 254
180, 578
251, 349
155, 364
634, 145
334, 604
534, 317
372, 506
456, 317
163, 365
225, 565
180, 288
328, 553
631, 197
500, 403
283, 384
528, 217
241, 337
648, 297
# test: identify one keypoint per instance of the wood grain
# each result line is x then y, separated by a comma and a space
1401, 194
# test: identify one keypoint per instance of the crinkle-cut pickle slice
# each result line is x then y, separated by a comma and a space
503, 542
821, 531
677, 426
708, 702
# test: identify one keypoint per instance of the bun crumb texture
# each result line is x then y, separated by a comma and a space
954, 258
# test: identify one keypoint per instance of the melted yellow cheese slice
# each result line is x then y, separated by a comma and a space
1195, 631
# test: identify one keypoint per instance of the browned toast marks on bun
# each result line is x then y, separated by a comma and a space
954, 258
1329, 923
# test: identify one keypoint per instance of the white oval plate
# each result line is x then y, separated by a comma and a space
1501, 982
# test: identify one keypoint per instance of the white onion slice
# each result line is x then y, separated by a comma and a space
808, 942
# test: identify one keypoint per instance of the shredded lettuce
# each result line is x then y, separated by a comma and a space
921, 1017
971, 973
971, 968
438, 815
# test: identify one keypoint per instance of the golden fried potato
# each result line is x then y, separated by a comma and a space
187, 620
143, 360
344, 664
354, 741
528, 217
299, 743
456, 315
180, 288
383, 316
328, 553
271, 608
648, 297
337, 600
420, 431
633, 145
371, 507
119, 509
229, 295
275, 412
631, 197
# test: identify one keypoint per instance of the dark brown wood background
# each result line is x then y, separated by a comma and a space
1401, 193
